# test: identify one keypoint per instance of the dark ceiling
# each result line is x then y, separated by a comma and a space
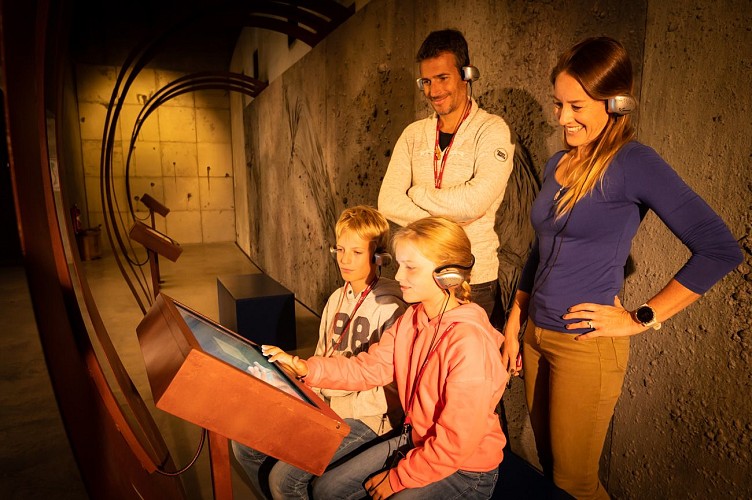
196, 35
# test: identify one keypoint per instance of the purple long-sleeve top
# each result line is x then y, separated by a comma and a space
580, 256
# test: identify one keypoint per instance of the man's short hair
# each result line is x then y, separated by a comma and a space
449, 40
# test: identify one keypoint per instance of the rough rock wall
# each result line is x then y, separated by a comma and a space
324, 131
319, 139
683, 426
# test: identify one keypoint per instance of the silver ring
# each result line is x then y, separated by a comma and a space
590, 325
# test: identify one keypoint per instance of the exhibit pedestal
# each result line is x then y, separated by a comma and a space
257, 308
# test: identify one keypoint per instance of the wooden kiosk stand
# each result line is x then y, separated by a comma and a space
154, 206
156, 244
206, 374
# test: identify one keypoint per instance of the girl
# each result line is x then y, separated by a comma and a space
444, 356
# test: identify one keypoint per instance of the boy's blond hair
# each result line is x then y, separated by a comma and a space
367, 223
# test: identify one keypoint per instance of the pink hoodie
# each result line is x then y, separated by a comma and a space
453, 419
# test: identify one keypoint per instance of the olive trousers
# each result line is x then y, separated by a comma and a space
571, 389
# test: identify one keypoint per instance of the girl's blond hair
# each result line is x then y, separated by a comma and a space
442, 242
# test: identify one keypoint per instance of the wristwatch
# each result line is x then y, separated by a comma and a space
645, 315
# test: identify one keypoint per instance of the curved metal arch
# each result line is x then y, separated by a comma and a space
321, 16
232, 82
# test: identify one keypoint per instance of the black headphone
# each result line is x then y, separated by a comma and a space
621, 105
449, 275
468, 74
379, 257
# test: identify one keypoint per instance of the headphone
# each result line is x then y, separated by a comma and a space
449, 275
380, 258
621, 105
468, 74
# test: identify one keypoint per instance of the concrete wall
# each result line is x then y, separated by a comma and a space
320, 137
183, 154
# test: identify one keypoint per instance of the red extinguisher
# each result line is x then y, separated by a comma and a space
76, 218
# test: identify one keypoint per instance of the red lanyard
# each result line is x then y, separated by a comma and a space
431, 350
350, 317
438, 173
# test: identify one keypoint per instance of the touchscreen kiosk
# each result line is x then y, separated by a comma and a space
206, 374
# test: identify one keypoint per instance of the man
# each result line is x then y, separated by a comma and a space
453, 164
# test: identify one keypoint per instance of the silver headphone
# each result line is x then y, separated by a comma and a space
451, 275
621, 105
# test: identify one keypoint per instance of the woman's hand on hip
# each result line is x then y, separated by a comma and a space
602, 320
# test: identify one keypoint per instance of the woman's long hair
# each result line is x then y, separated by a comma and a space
442, 242
602, 66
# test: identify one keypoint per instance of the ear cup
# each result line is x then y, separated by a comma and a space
448, 278
450, 275
621, 105
470, 73
382, 259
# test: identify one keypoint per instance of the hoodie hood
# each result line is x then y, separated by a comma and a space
469, 313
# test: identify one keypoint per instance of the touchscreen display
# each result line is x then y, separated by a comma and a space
238, 353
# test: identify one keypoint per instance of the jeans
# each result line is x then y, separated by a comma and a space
571, 388
346, 481
286, 481
486, 295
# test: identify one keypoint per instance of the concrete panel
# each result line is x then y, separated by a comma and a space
143, 87
139, 185
95, 83
146, 160
184, 227
92, 117
218, 225
218, 156
177, 124
212, 99
149, 128
212, 125
181, 193
216, 193
179, 159
164, 78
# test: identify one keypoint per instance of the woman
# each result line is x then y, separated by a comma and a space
444, 356
594, 195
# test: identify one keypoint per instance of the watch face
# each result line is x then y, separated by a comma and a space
645, 314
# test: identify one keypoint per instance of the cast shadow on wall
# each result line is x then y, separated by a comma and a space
530, 130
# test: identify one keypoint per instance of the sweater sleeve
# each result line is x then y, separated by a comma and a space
649, 180
372, 368
493, 160
393, 201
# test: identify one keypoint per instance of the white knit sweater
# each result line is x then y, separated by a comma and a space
474, 181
